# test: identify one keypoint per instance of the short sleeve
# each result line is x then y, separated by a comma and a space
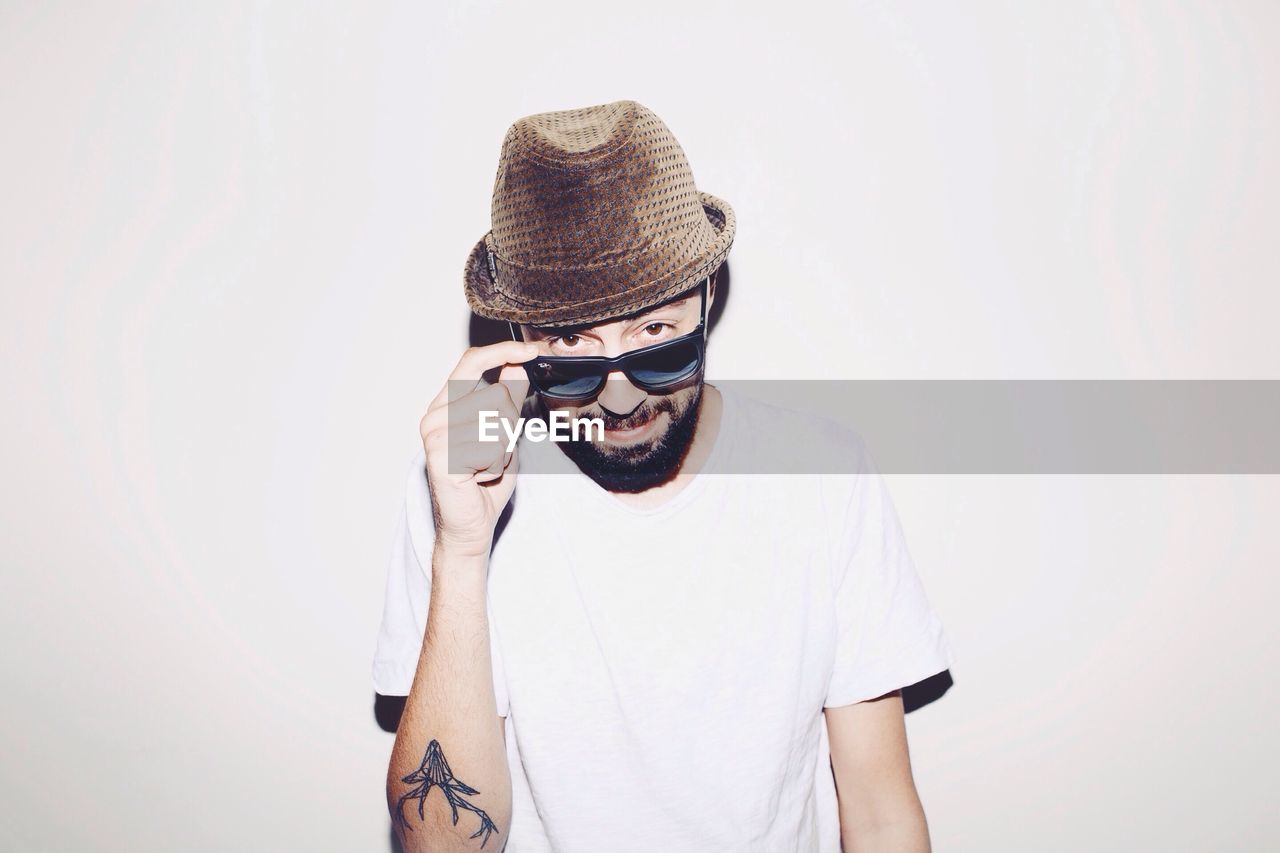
408, 593
887, 635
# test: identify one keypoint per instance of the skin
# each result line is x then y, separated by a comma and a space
451, 701
880, 810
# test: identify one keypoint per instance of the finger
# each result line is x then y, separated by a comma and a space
476, 360
432, 420
466, 460
496, 469
487, 398
514, 378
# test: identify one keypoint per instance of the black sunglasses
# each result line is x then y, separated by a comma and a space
655, 369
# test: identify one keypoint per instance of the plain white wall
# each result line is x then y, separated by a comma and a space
233, 236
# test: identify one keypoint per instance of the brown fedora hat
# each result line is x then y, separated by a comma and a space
595, 215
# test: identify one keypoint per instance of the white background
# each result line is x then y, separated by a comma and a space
232, 241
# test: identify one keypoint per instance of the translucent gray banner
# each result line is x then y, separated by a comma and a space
987, 427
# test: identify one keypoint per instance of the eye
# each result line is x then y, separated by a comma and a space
566, 341
655, 329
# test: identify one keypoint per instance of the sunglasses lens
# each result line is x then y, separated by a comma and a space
668, 365
654, 369
564, 380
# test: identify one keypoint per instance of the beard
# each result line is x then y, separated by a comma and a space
643, 465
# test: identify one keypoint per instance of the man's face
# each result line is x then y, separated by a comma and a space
646, 434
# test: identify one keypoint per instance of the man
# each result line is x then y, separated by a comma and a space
627, 646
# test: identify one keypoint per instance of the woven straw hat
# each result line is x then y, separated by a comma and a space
595, 214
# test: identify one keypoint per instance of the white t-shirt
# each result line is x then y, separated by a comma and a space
663, 671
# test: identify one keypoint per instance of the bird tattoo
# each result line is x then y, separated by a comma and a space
434, 772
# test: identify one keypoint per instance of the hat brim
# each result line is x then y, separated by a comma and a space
486, 300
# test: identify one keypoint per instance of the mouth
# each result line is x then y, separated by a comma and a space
631, 434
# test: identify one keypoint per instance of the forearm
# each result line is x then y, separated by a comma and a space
450, 743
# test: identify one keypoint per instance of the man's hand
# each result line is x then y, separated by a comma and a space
470, 480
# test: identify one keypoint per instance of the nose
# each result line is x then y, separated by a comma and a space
619, 396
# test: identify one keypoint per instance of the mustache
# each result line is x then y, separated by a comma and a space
646, 412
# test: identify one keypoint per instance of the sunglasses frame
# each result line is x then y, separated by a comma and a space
604, 366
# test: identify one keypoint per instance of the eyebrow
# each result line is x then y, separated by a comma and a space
559, 331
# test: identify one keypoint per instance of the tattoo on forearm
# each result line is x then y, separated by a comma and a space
434, 772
